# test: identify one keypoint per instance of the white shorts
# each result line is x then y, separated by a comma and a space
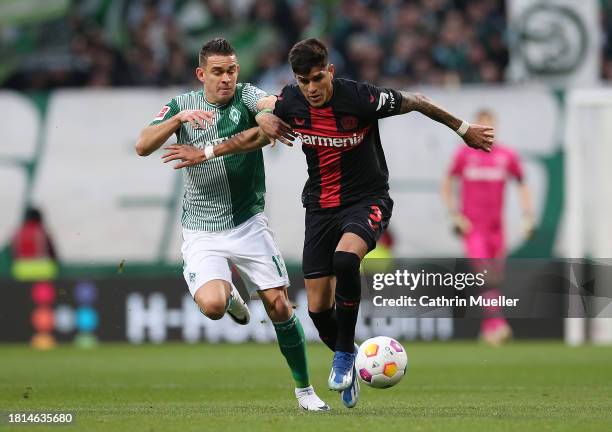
250, 247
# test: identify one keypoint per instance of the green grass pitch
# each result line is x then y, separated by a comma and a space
457, 386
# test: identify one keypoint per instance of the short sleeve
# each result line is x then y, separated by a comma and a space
250, 97
457, 165
515, 168
280, 108
169, 110
377, 102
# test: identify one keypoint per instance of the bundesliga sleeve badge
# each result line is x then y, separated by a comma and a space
162, 113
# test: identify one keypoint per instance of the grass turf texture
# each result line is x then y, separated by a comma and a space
449, 386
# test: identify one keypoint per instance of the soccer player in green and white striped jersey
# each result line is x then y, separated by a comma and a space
223, 205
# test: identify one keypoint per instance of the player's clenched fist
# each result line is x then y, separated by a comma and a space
197, 118
479, 137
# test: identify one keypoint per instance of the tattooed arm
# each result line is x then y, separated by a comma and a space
477, 136
244, 142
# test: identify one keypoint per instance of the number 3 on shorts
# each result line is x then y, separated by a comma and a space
375, 217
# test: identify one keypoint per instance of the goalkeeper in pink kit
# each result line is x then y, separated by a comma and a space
479, 219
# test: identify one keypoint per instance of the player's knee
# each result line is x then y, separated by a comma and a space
279, 308
213, 309
216, 315
346, 264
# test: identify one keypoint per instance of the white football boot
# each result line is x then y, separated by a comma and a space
309, 401
237, 309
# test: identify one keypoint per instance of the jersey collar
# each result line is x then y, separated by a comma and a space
216, 106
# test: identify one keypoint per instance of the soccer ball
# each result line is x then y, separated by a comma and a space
381, 362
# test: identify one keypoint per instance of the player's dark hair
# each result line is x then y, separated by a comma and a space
217, 46
32, 214
307, 54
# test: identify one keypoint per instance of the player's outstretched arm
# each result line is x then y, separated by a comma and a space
244, 142
475, 136
154, 136
461, 225
526, 204
448, 196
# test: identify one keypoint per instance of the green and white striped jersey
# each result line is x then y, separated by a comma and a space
224, 192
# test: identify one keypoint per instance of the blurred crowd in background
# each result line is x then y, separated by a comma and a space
155, 42
606, 19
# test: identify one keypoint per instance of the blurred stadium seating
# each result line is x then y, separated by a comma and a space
154, 42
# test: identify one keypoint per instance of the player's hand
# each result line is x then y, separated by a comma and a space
528, 227
197, 118
479, 137
275, 129
461, 224
187, 154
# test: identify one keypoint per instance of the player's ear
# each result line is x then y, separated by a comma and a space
331, 69
200, 74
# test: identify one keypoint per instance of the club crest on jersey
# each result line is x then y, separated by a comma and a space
234, 115
162, 113
299, 121
349, 122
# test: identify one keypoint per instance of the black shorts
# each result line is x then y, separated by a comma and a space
324, 228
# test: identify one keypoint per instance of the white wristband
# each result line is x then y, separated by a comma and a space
463, 128
209, 152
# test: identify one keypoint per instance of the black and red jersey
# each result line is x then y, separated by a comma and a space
341, 141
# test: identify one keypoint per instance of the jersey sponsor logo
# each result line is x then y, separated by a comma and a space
234, 115
213, 142
484, 173
353, 140
349, 122
162, 113
382, 101
501, 160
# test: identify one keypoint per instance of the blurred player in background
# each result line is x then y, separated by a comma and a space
346, 196
32, 249
223, 206
32, 241
479, 219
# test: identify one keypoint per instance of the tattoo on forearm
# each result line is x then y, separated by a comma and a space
422, 104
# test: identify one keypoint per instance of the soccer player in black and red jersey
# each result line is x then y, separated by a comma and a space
347, 193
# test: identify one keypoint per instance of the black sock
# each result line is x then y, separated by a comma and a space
327, 326
348, 296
